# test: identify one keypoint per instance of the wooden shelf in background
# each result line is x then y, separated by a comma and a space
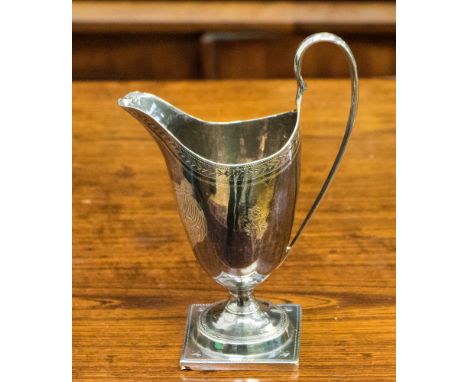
193, 40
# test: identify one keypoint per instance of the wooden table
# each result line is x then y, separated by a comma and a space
134, 275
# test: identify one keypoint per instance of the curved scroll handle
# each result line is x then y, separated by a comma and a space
301, 87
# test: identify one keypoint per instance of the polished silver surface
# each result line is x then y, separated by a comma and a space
236, 186
196, 357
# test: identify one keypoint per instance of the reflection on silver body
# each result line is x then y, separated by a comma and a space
236, 186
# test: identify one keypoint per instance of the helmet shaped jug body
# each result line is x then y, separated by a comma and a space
235, 184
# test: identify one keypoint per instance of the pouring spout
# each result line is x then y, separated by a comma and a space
155, 114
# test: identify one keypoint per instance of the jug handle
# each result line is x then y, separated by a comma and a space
301, 87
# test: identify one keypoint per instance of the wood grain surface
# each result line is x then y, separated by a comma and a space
200, 16
134, 274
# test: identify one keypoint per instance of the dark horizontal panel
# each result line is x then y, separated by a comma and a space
222, 55
271, 56
134, 56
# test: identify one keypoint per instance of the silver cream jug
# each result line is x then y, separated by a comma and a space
236, 186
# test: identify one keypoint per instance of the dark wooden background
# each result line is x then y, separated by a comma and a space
119, 40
